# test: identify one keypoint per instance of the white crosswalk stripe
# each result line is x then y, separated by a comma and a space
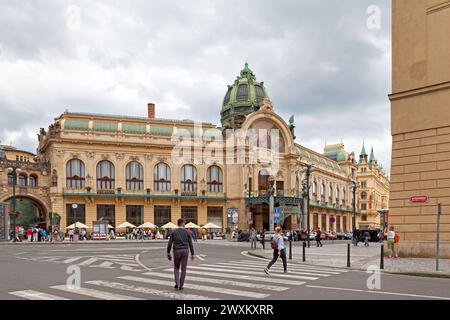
243, 277
36, 295
242, 293
223, 282
92, 293
242, 271
278, 266
305, 266
276, 269
145, 290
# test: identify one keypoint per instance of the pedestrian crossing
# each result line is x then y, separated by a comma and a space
126, 262
243, 279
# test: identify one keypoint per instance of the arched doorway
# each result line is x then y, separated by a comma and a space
30, 212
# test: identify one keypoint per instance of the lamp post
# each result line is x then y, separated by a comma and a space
271, 191
355, 185
307, 168
14, 171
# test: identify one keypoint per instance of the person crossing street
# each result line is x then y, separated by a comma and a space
279, 250
181, 242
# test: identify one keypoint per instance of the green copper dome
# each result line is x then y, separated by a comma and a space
242, 98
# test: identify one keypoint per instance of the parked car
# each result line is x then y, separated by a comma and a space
243, 237
330, 236
269, 235
372, 232
341, 236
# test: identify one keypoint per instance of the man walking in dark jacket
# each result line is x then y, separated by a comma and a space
181, 241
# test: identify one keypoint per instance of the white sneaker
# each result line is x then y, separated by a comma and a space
267, 271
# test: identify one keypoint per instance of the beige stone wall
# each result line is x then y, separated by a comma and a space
420, 121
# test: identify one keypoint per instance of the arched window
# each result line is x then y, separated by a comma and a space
226, 100
337, 193
259, 93
134, 176
242, 93
161, 177
22, 180
363, 195
105, 175
344, 196
314, 188
330, 191
189, 178
322, 189
33, 181
75, 174
214, 179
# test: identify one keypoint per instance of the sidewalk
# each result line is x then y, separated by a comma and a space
335, 255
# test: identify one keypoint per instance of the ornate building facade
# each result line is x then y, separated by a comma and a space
136, 169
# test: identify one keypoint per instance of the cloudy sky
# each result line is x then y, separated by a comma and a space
319, 60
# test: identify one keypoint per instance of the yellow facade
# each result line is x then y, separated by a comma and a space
420, 124
122, 168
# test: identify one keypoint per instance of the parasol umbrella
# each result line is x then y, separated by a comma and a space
211, 226
169, 225
126, 225
77, 225
192, 225
147, 225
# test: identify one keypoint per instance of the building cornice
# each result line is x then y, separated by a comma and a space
419, 91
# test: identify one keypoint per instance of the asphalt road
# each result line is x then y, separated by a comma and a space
221, 270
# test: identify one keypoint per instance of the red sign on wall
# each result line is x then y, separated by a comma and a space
418, 199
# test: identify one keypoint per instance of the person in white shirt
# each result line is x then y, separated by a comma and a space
391, 242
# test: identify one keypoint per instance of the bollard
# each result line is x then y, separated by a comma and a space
304, 251
290, 249
382, 258
348, 255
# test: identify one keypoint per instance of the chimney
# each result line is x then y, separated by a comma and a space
151, 110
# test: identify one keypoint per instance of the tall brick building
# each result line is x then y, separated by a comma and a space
420, 123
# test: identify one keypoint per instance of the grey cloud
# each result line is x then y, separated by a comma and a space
317, 59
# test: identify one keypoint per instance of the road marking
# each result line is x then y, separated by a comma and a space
242, 293
274, 268
201, 257
246, 272
70, 260
36, 295
87, 262
238, 276
92, 293
290, 267
105, 264
381, 292
220, 281
322, 268
107, 249
130, 268
155, 292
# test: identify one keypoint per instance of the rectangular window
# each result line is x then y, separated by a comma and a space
75, 215
215, 215
364, 217
324, 222
338, 224
363, 206
107, 212
344, 223
135, 215
162, 215
189, 214
315, 220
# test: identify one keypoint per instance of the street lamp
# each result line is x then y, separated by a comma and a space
307, 168
14, 171
355, 185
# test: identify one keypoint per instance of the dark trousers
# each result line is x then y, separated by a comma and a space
319, 242
263, 243
180, 258
275, 258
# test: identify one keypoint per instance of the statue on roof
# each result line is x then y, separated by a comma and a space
292, 121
